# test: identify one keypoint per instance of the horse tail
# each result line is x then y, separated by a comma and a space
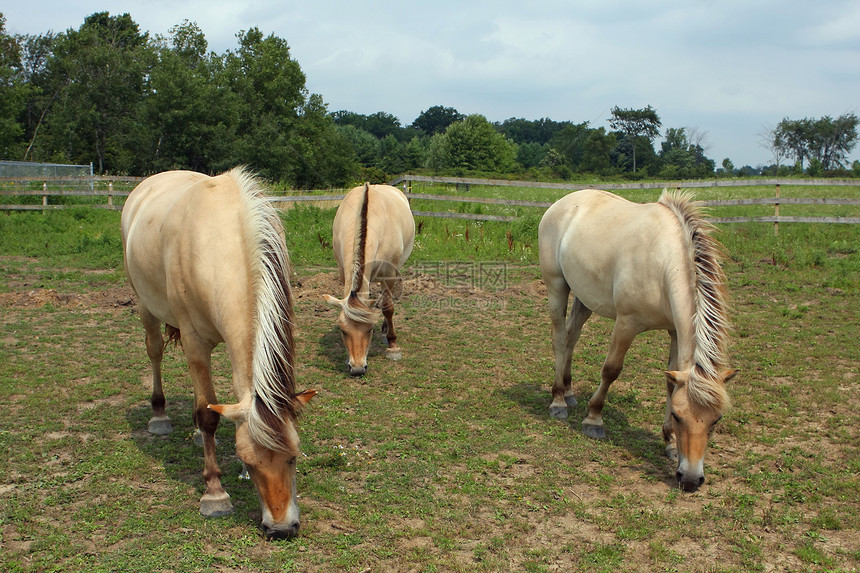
711, 319
273, 353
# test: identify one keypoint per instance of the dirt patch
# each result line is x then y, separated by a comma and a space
427, 286
315, 286
115, 297
312, 287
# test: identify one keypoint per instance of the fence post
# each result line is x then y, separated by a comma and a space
776, 213
110, 193
45, 190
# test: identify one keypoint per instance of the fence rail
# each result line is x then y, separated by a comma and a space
776, 201
110, 193
683, 184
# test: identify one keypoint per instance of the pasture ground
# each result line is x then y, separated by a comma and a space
447, 460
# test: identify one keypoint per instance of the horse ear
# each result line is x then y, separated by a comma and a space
234, 412
677, 377
333, 301
304, 397
729, 374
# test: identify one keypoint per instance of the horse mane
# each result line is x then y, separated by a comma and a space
360, 241
355, 309
273, 359
711, 318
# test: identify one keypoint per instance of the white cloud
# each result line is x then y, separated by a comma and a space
725, 66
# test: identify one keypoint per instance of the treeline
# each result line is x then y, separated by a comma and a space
109, 94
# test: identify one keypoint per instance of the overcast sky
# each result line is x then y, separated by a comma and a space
726, 68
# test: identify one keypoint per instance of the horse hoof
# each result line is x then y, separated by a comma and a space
593, 431
393, 354
160, 426
558, 412
570, 401
672, 453
216, 505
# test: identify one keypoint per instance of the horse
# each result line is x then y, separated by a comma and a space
653, 266
372, 236
206, 257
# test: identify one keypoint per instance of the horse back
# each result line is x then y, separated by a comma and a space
618, 257
185, 250
389, 229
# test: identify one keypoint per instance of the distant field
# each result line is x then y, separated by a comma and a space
447, 460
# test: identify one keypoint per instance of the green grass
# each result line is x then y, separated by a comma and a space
447, 460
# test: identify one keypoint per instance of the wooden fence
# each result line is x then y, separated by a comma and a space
776, 201
104, 187
65, 187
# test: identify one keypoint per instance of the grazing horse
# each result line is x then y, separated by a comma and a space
648, 267
206, 257
372, 236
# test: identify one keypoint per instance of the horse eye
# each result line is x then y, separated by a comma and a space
675, 417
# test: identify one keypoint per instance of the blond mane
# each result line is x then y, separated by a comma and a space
711, 317
273, 360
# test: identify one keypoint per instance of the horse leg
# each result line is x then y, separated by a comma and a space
564, 337
215, 502
622, 338
393, 351
159, 424
573, 328
668, 430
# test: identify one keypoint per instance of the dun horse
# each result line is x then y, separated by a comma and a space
206, 257
372, 236
648, 267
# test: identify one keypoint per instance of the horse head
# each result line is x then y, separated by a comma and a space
356, 322
692, 420
271, 466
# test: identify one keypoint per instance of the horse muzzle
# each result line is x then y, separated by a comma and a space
359, 370
279, 532
689, 483
690, 476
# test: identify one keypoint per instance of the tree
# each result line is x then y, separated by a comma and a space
270, 90
472, 145
596, 152
98, 74
365, 146
392, 155
13, 92
827, 140
522, 131
769, 140
833, 139
42, 89
570, 143
437, 119
682, 157
792, 138
323, 154
381, 124
188, 119
635, 124
531, 154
